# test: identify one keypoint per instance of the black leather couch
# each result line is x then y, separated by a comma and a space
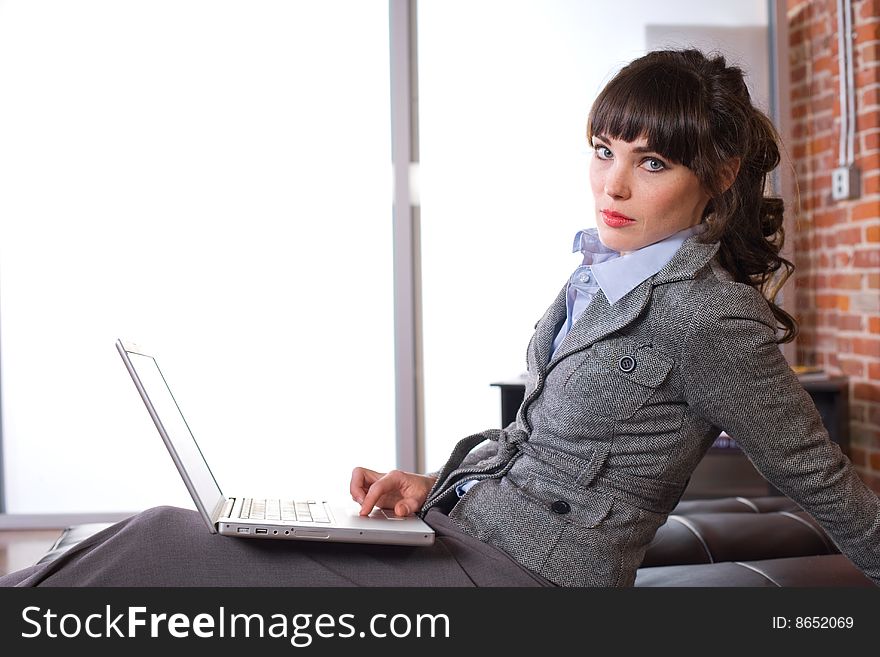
732, 541
736, 541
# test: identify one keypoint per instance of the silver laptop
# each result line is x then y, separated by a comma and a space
312, 518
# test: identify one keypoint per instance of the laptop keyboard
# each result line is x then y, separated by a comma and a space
284, 510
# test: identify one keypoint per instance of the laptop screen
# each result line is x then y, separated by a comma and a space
176, 433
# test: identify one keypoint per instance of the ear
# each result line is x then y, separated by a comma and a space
729, 172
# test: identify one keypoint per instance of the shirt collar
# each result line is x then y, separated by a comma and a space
617, 274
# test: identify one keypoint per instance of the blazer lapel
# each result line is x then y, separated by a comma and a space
545, 330
601, 319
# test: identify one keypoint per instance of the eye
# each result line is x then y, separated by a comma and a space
603, 152
653, 164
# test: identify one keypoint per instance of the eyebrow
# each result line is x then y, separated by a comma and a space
637, 149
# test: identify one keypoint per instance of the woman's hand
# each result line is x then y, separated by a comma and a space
405, 492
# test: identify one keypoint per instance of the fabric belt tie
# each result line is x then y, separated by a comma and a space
645, 493
449, 475
507, 438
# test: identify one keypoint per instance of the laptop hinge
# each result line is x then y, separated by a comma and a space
224, 507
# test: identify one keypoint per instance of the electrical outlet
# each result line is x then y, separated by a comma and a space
845, 183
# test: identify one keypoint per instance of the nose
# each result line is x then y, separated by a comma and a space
617, 183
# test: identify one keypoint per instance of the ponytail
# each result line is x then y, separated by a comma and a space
749, 225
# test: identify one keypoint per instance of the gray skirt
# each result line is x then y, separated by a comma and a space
167, 546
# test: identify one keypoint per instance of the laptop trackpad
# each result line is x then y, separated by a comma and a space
386, 514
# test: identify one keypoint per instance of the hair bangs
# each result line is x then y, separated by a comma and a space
655, 102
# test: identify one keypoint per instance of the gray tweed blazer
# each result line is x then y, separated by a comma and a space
613, 426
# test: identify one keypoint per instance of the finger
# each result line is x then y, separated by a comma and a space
355, 484
376, 491
361, 480
405, 507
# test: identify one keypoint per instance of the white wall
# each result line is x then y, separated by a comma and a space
505, 88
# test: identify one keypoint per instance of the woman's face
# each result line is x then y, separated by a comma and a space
641, 197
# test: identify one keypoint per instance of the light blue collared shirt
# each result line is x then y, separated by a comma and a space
615, 274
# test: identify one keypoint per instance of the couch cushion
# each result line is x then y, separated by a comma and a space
736, 505
830, 570
833, 570
728, 573
712, 537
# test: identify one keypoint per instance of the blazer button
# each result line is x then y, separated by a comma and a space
561, 507
627, 364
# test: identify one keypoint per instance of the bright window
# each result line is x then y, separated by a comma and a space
211, 178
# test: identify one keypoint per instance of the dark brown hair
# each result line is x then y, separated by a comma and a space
696, 110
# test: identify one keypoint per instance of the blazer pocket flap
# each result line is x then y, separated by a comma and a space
582, 507
555, 465
641, 364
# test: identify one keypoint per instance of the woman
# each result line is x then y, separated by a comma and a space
659, 340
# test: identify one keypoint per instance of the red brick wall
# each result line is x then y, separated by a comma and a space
837, 243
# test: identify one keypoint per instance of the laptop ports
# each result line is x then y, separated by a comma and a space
260, 530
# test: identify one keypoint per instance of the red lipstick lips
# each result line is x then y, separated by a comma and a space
615, 219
